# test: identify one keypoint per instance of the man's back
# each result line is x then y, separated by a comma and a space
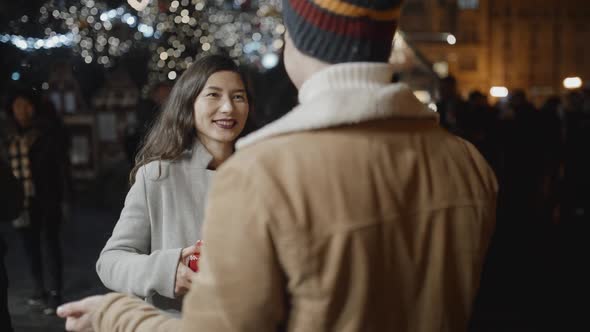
391, 220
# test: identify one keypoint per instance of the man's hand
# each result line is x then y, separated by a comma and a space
184, 274
79, 314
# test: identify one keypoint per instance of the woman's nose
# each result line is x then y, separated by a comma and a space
227, 105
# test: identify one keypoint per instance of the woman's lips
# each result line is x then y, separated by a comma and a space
225, 124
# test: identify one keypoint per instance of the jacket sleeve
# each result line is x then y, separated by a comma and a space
240, 285
127, 264
131, 315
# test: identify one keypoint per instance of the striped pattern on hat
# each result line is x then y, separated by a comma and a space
336, 31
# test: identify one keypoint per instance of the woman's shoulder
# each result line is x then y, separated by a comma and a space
158, 170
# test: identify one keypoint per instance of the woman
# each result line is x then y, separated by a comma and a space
161, 220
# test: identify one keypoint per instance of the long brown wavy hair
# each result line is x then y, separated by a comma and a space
174, 131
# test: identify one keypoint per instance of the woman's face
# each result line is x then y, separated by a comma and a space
221, 109
22, 109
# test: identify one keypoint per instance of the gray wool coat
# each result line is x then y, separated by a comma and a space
163, 214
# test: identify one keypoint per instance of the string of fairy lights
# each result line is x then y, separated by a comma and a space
174, 32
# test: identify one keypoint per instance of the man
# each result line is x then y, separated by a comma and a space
354, 212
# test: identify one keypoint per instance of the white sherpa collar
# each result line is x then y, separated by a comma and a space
345, 94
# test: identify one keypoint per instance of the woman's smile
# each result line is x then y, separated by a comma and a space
225, 123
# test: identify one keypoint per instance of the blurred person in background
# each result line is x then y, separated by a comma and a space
355, 211
521, 175
551, 139
147, 112
11, 196
586, 97
450, 105
478, 125
160, 223
38, 156
576, 207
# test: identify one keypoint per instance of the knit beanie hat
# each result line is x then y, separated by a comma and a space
336, 31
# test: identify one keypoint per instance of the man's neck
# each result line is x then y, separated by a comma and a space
310, 66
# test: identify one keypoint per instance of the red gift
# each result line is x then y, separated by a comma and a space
193, 262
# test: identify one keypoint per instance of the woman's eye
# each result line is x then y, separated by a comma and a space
212, 94
239, 97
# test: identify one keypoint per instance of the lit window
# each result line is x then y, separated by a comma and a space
468, 4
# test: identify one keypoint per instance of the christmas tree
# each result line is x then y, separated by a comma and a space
174, 33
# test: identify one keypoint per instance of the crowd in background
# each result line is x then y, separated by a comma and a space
539, 155
541, 160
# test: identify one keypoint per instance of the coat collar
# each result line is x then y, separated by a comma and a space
345, 94
200, 157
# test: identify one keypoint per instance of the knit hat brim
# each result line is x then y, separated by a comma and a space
336, 31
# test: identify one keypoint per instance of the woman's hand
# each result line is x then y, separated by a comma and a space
79, 314
184, 274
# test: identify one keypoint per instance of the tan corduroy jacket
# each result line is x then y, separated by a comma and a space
355, 212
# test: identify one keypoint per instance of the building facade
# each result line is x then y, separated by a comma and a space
526, 44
